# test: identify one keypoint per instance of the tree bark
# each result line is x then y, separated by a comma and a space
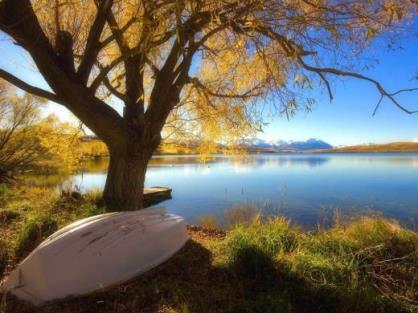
124, 187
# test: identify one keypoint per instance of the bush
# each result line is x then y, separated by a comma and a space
33, 231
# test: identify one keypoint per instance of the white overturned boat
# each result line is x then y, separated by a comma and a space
97, 252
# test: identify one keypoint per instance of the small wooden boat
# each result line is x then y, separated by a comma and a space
95, 253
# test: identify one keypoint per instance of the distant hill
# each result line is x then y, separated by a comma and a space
388, 147
284, 146
94, 147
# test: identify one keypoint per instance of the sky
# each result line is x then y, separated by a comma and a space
347, 120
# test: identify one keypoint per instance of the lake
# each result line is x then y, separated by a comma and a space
307, 188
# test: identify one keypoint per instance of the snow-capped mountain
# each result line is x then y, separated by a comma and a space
263, 144
310, 144
282, 145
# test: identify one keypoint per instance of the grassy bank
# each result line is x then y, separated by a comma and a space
368, 264
378, 148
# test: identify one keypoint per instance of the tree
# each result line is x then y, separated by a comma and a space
16, 152
28, 142
199, 61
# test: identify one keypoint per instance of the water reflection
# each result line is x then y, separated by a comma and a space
305, 187
267, 160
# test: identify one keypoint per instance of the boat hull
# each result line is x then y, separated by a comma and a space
96, 253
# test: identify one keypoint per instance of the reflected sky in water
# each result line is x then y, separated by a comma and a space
307, 188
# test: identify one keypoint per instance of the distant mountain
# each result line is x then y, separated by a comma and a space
311, 144
286, 146
263, 144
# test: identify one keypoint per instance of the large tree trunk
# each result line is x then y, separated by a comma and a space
124, 187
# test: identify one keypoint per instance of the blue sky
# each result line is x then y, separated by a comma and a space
347, 120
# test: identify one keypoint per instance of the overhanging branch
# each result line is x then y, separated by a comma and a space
29, 88
391, 96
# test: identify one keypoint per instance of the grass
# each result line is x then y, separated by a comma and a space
33, 231
30, 214
208, 222
367, 264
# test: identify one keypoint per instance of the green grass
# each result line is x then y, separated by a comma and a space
366, 264
273, 237
33, 231
29, 215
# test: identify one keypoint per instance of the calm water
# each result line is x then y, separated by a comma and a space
306, 188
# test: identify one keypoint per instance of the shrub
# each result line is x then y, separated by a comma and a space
34, 229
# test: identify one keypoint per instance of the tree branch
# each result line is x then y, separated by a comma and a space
18, 19
104, 71
93, 40
113, 89
248, 94
379, 87
117, 33
29, 88
112, 37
